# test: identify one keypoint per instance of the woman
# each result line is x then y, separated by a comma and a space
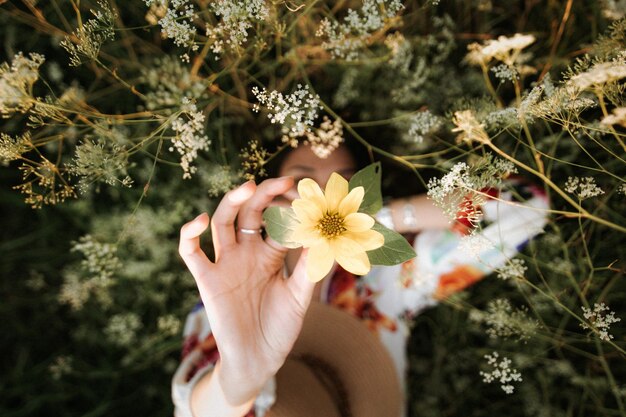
256, 314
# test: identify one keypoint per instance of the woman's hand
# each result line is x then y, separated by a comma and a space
254, 312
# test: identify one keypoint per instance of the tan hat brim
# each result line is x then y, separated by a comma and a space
358, 359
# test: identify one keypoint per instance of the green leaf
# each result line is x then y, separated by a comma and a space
395, 250
279, 222
369, 178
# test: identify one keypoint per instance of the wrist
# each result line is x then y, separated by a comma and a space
240, 387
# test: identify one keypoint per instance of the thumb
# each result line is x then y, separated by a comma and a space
298, 283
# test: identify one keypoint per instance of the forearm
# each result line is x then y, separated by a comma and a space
417, 213
209, 400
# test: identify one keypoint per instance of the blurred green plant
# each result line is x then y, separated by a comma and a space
120, 120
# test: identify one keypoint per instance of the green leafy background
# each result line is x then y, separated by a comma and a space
57, 360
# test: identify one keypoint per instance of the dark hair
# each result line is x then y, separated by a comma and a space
356, 149
398, 180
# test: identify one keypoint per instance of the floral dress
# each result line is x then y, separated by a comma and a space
388, 297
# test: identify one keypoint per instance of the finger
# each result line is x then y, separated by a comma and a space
275, 249
251, 214
222, 225
189, 246
298, 283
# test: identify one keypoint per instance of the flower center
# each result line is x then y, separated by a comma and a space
331, 225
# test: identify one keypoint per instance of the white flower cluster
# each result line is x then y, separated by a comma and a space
515, 268
325, 139
16, 82
599, 320
613, 9
475, 245
61, 366
501, 372
562, 103
504, 321
420, 125
504, 72
401, 52
599, 74
169, 325
99, 161
583, 187
190, 137
177, 23
501, 119
458, 193
13, 148
346, 40
169, 82
503, 49
122, 329
617, 118
219, 179
89, 37
238, 17
101, 259
622, 189
469, 128
448, 191
295, 112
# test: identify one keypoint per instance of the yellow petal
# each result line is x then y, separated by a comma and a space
358, 264
351, 202
336, 190
306, 236
368, 240
309, 190
306, 211
319, 261
358, 222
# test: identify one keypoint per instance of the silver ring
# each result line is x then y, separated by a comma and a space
250, 231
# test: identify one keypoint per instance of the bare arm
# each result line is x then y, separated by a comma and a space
254, 313
209, 400
417, 213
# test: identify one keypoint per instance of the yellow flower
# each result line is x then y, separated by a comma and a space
331, 227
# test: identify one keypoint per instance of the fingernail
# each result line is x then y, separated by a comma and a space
200, 215
242, 193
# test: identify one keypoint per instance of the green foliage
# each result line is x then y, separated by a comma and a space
279, 223
158, 97
369, 178
395, 250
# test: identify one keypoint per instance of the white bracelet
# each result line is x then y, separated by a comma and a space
384, 217
409, 215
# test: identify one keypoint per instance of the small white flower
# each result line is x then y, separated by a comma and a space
599, 74
238, 17
582, 187
475, 245
346, 39
599, 320
469, 128
503, 49
295, 112
169, 324
504, 72
16, 82
617, 118
190, 138
326, 138
501, 372
122, 329
177, 24
420, 125
515, 268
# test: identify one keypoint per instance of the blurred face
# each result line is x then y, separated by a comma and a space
303, 163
